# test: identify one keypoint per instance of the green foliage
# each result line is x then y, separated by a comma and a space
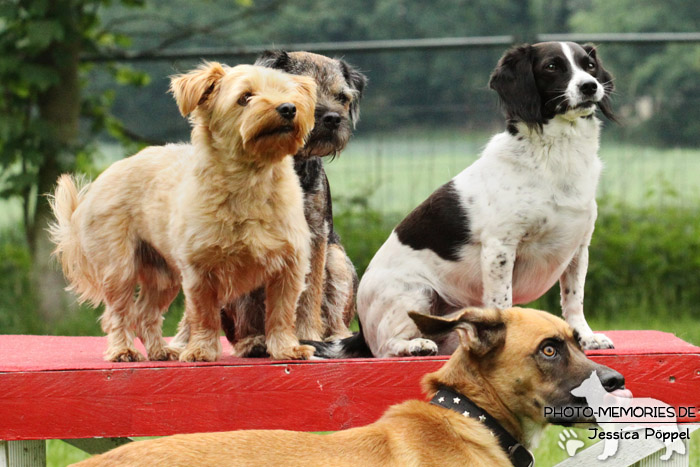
60, 454
19, 299
362, 229
40, 102
643, 260
665, 74
27, 72
642, 272
18, 303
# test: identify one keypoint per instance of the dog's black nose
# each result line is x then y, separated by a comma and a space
331, 120
610, 379
588, 88
287, 110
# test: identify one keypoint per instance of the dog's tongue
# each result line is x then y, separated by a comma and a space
626, 393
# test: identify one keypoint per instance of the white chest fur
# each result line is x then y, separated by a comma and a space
532, 191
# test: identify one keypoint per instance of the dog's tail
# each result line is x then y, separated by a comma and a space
64, 201
354, 346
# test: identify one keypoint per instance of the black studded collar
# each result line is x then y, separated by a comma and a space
450, 399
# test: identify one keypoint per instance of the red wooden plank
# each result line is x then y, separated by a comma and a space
39, 353
60, 388
140, 402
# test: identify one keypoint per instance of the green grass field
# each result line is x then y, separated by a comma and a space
399, 171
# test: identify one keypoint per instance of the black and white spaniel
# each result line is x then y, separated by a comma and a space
504, 230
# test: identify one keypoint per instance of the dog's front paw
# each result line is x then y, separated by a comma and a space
123, 355
422, 347
417, 347
596, 341
198, 354
164, 354
250, 347
297, 352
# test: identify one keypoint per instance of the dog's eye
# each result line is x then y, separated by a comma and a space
549, 351
342, 98
551, 67
591, 65
243, 100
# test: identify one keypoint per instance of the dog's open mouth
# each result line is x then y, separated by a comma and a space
279, 130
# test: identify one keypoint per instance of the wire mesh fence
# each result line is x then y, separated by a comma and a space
397, 170
427, 113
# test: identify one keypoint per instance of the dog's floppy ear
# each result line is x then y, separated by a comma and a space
278, 59
606, 79
514, 81
196, 87
357, 81
479, 330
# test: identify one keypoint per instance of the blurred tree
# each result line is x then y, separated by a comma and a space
666, 76
40, 108
51, 111
166, 25
426, 88
422, 88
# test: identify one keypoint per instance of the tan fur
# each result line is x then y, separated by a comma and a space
493, 367
218, 217
338, 306
327, 304
309, 322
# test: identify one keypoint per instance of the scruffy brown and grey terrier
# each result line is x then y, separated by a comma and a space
218, 217
327, 304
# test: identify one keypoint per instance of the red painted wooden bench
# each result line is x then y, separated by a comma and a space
59, 387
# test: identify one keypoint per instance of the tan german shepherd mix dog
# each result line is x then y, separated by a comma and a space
487, 406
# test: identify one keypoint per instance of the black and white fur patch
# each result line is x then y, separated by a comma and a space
508, 227
442, 208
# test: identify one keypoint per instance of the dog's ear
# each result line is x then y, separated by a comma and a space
196, 87
479, 330
514, 81
278, 59
606, 79
357, 81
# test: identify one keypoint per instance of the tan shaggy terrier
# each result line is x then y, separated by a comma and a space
218, 217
